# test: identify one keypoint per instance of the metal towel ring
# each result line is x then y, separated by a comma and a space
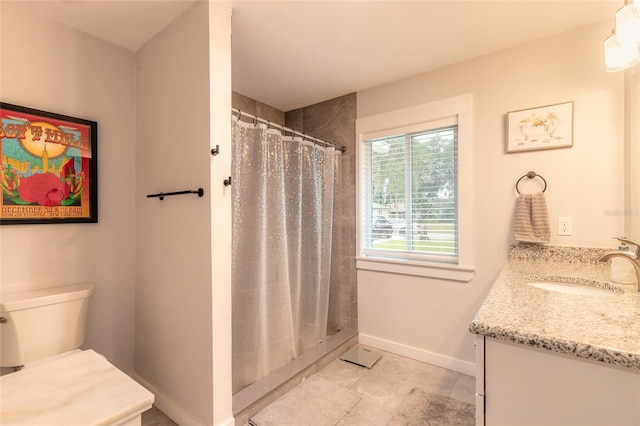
531, 175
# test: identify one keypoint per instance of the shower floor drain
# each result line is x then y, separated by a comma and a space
364, 357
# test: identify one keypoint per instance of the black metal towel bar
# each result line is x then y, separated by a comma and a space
161, 195
531, 175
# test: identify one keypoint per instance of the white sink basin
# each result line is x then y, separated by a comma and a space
572, 288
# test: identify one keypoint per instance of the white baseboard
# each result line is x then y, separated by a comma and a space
171, 408
439, 360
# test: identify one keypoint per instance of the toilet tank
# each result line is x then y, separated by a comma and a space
41, 323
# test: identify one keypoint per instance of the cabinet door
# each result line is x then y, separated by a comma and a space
529, 386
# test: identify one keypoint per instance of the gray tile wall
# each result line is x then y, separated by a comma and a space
254, 107
333, 121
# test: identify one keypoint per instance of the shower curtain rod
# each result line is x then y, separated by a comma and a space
286, 129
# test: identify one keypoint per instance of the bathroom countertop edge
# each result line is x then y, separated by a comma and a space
603, 329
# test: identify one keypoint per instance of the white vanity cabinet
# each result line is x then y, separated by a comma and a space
549, 358
523, 385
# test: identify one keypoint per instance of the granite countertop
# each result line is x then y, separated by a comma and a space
76, 388
601, 328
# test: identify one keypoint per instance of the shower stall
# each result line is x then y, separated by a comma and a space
286, 252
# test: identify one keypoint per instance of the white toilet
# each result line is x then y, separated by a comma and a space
60, 384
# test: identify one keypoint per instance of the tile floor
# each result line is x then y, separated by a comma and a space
382, 388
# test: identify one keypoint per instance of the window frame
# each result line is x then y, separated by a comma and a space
411, 120
406, 133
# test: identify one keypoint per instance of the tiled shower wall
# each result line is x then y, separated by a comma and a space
333, 121
256, 108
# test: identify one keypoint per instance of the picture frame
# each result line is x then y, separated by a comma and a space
48, 167
544, 127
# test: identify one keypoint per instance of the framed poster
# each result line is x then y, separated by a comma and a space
49, 167
544, 127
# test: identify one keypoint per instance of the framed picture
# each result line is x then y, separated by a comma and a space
544, 127
49, 167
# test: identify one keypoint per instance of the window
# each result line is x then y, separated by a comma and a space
415, 202
410, 181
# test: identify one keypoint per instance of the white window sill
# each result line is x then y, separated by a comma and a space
416, 268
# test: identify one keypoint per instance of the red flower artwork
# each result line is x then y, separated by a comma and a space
45, 188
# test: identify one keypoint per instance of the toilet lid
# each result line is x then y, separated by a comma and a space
80, 387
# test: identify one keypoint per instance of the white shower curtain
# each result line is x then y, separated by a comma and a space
286, 248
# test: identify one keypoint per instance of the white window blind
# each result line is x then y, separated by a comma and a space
410, 207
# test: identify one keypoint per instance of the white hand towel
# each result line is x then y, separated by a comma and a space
531, 224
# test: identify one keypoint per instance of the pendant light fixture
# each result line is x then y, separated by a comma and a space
627, 24
619, 56
621, 48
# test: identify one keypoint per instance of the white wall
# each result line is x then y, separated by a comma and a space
220, 134
48, 66
183, 100
178, 88
429, 319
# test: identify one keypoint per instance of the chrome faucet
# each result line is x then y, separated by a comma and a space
634, 258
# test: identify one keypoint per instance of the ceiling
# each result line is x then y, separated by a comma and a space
290, 54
